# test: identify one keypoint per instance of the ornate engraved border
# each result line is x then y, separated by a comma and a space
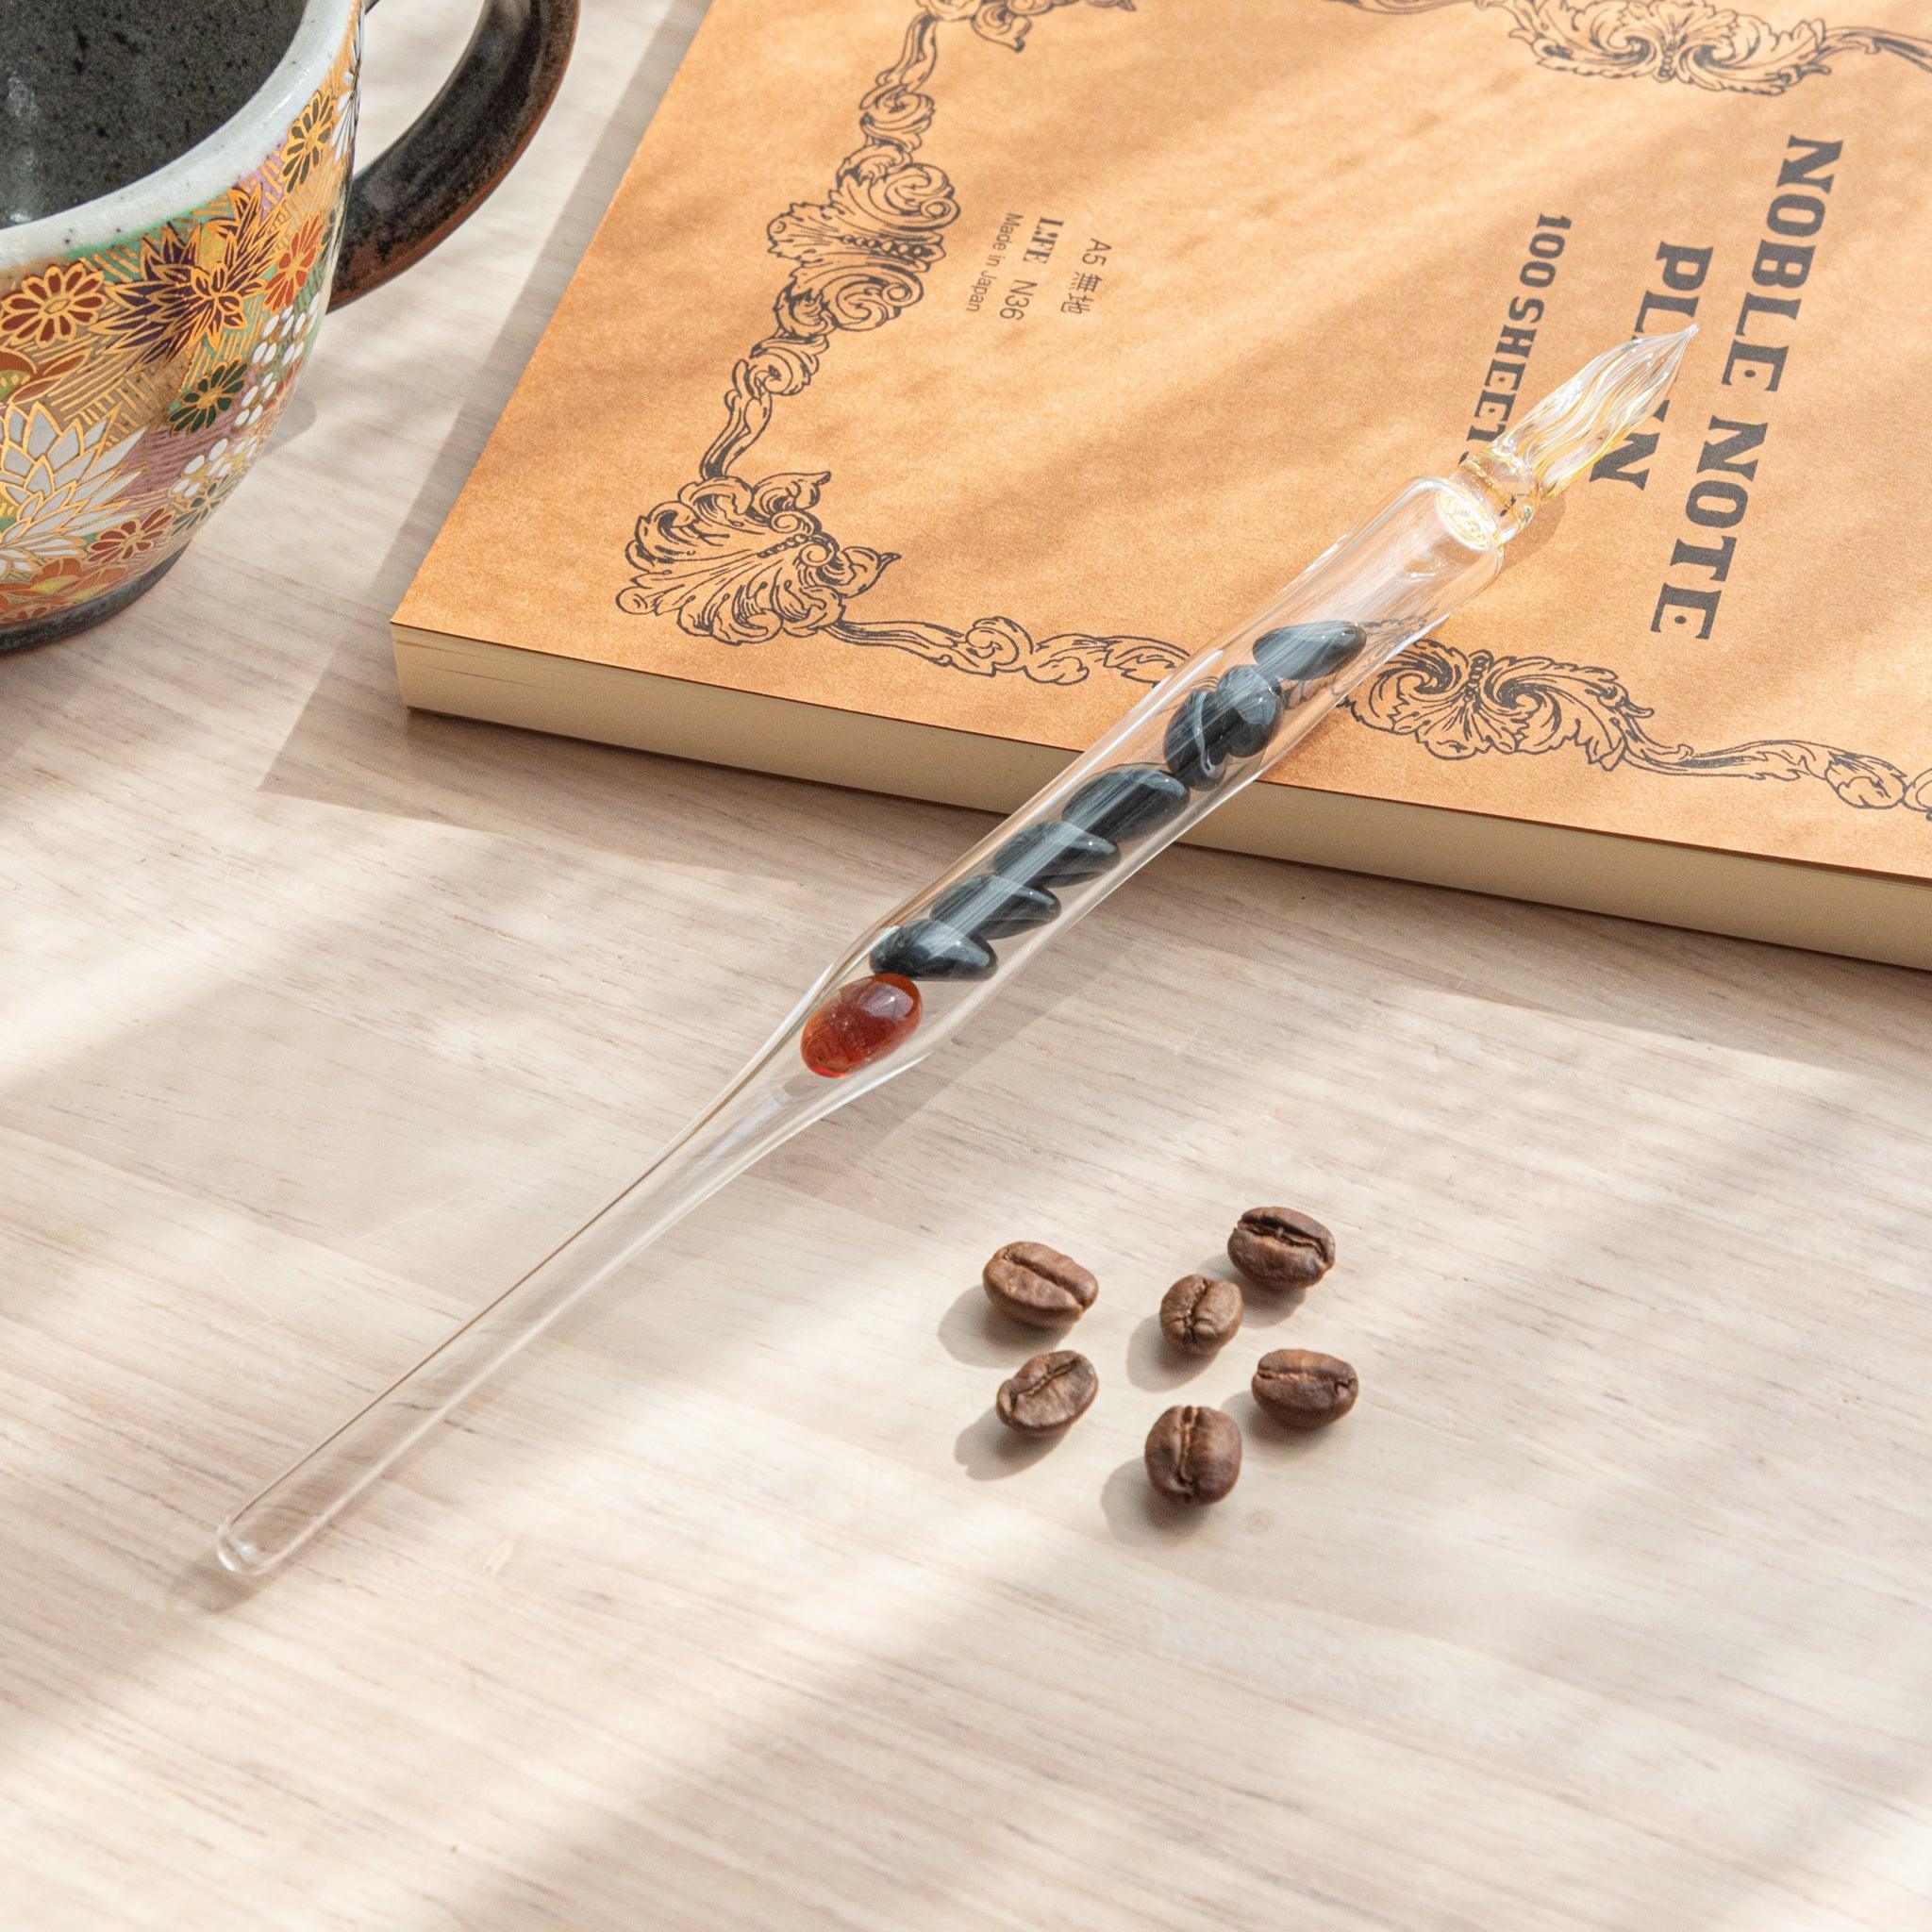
1692, 40
1458, 705
746, 563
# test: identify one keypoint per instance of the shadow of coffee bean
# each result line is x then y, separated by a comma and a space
973, 1331
1154, 1363
987, 1450
1262, 1307
1138, 1514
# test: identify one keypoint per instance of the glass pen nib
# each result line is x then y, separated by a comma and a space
1578, 424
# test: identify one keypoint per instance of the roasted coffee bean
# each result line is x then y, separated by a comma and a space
1039, 1286
1047, 1393
1125, 802
1200, 1313
1303, 1390
1297, 653
925, 949
1053, 852
1278, 1247
1194, 1454
991, 907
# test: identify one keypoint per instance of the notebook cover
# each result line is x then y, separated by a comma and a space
972, 361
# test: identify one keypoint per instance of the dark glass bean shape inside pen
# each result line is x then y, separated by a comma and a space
925, 949
1128, 802
1297, 652
1233, 717
990, 905
1189, 746
1247, 709
1054, 853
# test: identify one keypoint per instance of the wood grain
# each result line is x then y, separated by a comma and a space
731, 1610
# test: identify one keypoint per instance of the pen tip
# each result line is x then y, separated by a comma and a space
1582, 421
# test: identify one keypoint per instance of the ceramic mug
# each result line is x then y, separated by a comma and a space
180, 206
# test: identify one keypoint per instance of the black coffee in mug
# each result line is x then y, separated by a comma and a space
99, 93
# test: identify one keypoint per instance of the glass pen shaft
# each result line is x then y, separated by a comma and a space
1221, 720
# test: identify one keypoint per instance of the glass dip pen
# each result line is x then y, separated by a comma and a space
1214, 725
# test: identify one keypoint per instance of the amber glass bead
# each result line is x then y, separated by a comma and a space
859, 1023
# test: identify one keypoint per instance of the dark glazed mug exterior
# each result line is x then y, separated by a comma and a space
151, 328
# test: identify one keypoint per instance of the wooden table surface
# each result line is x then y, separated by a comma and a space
731, 1610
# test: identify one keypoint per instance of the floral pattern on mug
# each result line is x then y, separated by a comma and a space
58, 489
141, 379
52, 306
205, 402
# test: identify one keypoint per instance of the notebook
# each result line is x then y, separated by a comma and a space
944, 371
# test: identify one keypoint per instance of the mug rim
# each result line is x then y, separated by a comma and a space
198, 175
